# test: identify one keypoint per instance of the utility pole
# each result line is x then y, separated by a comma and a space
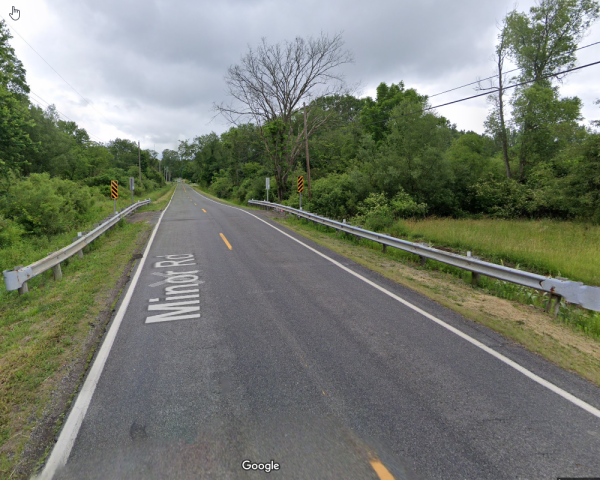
307, 159
140, 161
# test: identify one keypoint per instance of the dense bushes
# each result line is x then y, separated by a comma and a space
41, 205
338, 195
377, 212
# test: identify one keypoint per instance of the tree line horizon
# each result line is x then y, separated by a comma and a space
385, 157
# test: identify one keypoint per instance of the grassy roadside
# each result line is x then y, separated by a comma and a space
48, 336
34, 248
528, 325
559, 248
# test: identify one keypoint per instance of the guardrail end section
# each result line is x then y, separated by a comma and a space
14, 279
575, 292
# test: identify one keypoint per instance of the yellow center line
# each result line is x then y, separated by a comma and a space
382, 472
204, 210
225, 240
196, 204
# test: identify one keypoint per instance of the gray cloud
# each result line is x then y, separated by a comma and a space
155, 68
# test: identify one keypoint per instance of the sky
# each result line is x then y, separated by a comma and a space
152, 70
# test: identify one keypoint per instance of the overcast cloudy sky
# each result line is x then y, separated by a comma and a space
151, 70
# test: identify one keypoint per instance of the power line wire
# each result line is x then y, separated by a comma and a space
495, 76
63, 115
63, 79
488, 92
476, 82
481, 80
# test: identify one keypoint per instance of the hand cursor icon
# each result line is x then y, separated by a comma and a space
16, 14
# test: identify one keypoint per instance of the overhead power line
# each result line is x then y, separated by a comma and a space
496, 76
488, 92
55, 71
62, 114
482, 80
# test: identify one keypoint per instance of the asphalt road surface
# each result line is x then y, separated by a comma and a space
240, 343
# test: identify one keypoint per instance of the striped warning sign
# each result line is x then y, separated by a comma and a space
300, 184
114, 189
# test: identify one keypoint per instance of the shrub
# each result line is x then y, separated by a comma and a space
404, 206
337, 196
376, 212
48, 206
221, 185
10, 232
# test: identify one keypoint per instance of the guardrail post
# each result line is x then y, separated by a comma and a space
23, 288
383, 247
57, 272
79, 235
556, 308
475, 277
422, 260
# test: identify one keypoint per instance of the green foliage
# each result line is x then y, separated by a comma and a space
337, 196
376, 212
10, 232
583, 183
221, 185
544, 41
48, 206
12, 72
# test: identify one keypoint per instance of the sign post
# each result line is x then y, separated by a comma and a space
300, 188
268, 186
131, 187
114, 193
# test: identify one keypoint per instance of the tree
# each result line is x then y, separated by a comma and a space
270, 85
12, 72
412, 156
210, 157
14, 115
543, 43
495, 123
14, 137
375, 114
596, 123
125, 152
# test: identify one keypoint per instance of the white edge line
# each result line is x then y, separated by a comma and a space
536, 378
62, 449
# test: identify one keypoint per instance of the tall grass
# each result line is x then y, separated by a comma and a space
558, 248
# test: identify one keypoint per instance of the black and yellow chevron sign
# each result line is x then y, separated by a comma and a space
114, 189
300, 184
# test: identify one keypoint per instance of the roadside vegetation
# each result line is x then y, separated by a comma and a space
570, 340
376, 160
525, 193
558, 248
54, 182
48, 335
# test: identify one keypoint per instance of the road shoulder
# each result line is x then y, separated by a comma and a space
530, 327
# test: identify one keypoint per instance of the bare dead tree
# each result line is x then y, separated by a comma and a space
500, 55
270, 85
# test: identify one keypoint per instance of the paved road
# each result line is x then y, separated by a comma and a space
271, 352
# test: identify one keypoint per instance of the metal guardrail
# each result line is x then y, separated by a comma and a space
573, 292
17, 278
